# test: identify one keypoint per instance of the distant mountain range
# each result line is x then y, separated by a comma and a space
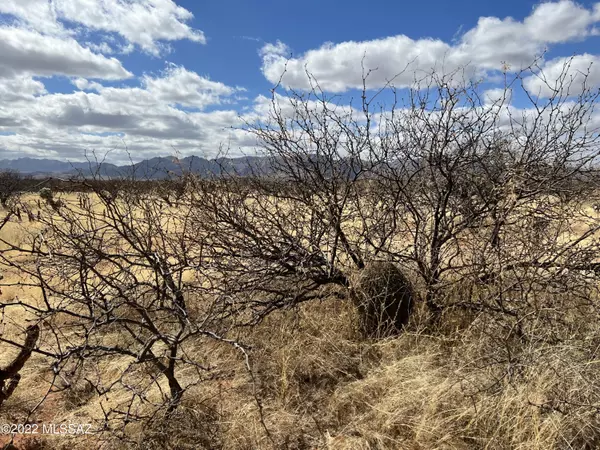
154, 168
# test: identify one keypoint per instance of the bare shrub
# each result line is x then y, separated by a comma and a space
47, 194
440, 183
112, 274
9, 187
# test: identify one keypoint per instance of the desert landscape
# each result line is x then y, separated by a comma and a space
238, 226
411, 296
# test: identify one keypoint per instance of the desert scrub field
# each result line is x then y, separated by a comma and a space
264, 364
428, 282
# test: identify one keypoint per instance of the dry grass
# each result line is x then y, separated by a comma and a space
321, 388
319, 385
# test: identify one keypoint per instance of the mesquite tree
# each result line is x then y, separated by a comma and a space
120, 282
438, 183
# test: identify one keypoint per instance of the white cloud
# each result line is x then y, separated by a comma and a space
75, 39
86, 85
565, 75
561, 21
96, 117
39, 14
145, 23
102, 47
276, 49
492, 44
338, 67
182, 87
29, 52
497, 96
20, 88
169, 112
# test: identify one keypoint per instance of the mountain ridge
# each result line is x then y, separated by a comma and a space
153, 168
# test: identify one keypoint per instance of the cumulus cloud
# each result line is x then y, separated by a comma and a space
28, 52
20, 88
182, 87
136, 110
148, 118
86, 85
38, 14
276, 49
493, 44
144, 23
554, 22
338, 68
81, 39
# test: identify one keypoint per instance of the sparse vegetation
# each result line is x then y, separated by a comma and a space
9, 187
424, 276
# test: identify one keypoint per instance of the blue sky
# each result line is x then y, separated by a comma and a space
154, 77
